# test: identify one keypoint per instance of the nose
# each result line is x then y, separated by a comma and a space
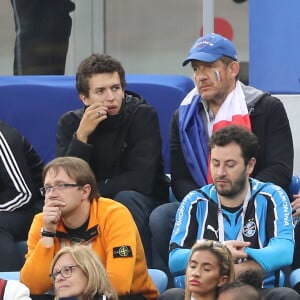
195, 272
59, 277
109, 95
221, 171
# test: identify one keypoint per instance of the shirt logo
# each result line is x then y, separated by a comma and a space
122, 251
215, 231
249, 229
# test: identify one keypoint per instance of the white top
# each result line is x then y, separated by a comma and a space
15, 290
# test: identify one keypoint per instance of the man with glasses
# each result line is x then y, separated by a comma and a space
252, 218
75, 213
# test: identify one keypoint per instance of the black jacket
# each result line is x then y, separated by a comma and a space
270, 124
20, 172
124, 151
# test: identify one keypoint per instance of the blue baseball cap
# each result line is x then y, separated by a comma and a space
210, 48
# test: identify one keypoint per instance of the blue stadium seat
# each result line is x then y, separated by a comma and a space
159, 278
10, 275
295, 185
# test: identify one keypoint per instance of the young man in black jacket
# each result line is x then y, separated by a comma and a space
118, 135
218, 99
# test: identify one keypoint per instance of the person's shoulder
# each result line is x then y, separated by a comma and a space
9, 131
72, 114
267, 188
267, 99
107, 204
109, 210
134, 102
16, 290
205, 193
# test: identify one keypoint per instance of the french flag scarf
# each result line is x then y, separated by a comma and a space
193, 134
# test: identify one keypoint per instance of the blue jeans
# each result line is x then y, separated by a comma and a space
140, 207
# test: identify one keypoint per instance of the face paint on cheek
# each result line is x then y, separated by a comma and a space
217, 75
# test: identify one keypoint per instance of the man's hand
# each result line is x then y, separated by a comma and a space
52, 214
296, 205
93, 115
237, 249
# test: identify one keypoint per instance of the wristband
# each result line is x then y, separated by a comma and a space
47, 233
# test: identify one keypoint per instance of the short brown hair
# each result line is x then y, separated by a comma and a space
77, 169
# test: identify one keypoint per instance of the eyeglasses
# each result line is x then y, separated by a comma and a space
57, 187
65, 272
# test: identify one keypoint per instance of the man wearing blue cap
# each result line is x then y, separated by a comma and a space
220, 99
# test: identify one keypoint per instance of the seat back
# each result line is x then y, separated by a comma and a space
159, 278
295, 185
179, 281
10, 275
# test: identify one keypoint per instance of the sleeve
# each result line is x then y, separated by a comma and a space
20, 171
35, 272
184, 234
270, 258
66, 142
35, 165
277, 154
143, 158
15, 290
280, 229
121, 248
181, 178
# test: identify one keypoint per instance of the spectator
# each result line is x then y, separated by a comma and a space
20, 177
253, 219
74, 213
253, 277
78, 272
210, 266
43, 28
118, 135
219, 99
239, 290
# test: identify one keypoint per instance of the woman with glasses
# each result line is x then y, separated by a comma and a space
77, 273
209, 267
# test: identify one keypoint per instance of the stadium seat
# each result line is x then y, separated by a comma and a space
159, 278
10, 275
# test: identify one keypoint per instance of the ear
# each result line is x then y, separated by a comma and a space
86, 191
234, 69
250, 166
223, 280
84, 99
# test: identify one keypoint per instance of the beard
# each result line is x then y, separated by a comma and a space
236, 187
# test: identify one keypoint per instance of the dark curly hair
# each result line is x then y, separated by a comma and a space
97, 64
239, 135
